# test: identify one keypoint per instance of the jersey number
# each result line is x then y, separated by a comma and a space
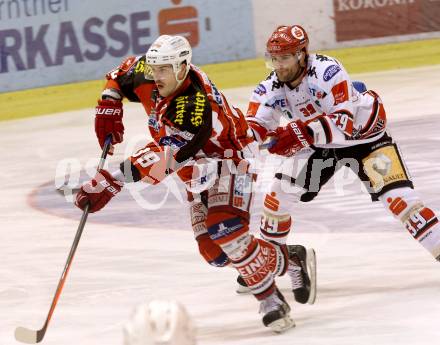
308, 110
341, 120
148, 157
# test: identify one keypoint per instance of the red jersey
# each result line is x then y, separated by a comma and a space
196, 121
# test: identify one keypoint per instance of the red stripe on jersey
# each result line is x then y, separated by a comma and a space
226, 136
232, 133
259, 129
373, 116
112, 84
234, 126
242, 127
144, 93
377, 121
323, 120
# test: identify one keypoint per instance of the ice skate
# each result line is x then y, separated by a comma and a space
302, 273
241, 286
276, 313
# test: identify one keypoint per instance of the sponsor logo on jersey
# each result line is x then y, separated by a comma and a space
140, 67
302, 102
253, 108
319, 94
153, 123
331, 71
172, 141
380, 125
202, 183
217, 95
242, 185
311, 72
287, 113
277, 102
237, 201
197, 114
276, 84
270, 75
340, 92
225, 228
260, 90
181, 103
184, 134
323, 58
219, 199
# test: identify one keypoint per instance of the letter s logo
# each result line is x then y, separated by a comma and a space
186, 23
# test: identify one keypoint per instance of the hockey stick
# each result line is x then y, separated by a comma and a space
73, 190
29, 336
66, 189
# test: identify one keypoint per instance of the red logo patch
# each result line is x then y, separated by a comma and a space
340, 92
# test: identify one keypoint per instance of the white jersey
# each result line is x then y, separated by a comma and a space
325, 100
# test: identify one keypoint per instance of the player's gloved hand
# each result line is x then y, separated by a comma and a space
108, 120
98, 191
289, 139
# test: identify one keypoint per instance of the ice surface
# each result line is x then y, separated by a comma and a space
376, 284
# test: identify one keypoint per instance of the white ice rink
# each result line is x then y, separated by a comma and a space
376, 285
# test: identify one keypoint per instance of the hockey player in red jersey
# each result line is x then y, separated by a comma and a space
330, 124
192, 123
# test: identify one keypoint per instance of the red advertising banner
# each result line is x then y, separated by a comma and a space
359, 19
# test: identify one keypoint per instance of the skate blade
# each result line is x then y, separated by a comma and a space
311, 269
282, 325
242, 289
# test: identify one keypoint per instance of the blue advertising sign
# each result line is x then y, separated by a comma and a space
46, 42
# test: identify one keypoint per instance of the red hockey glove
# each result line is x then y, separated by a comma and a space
98, 191
290, 139
108, 120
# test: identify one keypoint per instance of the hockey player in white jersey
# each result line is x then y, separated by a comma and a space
330, 124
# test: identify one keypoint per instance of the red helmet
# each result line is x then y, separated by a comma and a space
287, 39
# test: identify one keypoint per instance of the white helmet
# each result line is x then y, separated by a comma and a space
163, 322
170, 50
